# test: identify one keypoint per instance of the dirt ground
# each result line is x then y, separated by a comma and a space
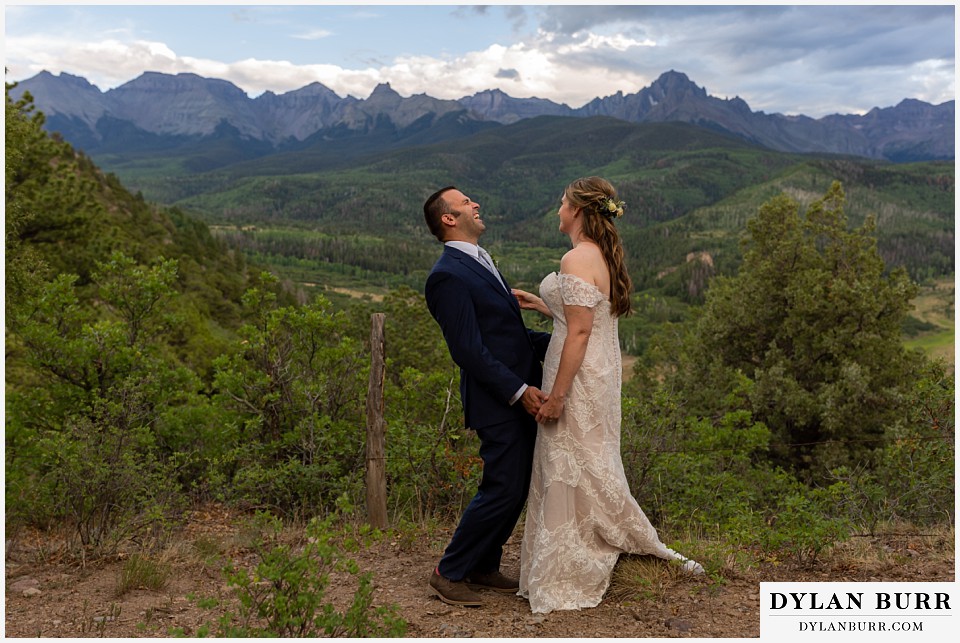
54, 595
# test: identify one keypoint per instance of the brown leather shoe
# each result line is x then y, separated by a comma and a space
495, 581
453, 592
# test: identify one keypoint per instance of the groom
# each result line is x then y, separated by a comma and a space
500, 370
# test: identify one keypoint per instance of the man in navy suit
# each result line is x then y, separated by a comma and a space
500, 378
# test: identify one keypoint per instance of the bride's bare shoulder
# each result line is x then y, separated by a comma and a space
583, 260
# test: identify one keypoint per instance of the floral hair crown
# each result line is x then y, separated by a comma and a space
610, 208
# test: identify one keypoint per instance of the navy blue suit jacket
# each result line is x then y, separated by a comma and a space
487, 338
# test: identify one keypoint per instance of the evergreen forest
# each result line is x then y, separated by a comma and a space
178, 336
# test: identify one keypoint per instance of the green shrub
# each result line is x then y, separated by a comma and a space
806, 522
711, 478
433, 466
108, 484
294, 392
914, 480
83, 433
294, 487
284, 594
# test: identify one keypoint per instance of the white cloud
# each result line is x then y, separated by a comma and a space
314, 34
105, 63
806, 60
537, 72
593, 42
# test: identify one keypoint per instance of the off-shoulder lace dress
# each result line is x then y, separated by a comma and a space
580, 512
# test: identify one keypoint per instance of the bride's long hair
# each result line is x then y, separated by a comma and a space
593, 195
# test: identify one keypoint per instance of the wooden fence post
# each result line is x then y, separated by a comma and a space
376, 464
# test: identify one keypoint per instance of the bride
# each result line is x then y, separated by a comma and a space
580, 514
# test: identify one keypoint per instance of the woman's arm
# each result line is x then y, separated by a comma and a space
529, 301
579, 326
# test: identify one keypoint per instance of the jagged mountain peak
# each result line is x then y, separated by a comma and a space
66, 78
315, 89
182, 82
46, 81
66, 94
187, 104
676, 85
496, 93
184, 104
496, 105
672, 76
384, 90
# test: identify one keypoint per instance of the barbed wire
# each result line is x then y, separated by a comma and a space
628, 450
791, 445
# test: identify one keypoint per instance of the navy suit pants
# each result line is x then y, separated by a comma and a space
477, 544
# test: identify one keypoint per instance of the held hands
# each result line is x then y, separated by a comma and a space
532, 399
545, 408
551, 410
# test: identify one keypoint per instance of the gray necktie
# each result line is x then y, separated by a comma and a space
487, 261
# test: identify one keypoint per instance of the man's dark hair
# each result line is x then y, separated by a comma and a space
434, 208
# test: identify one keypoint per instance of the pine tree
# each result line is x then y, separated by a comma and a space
813, 322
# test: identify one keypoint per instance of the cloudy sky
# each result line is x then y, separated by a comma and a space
791, 59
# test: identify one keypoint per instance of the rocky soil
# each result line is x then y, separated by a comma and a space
52, 594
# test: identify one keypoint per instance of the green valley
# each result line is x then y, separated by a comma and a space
331, 222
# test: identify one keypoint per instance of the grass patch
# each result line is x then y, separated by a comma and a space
142, 572
644, 578
893, 543
878, 553
934, 308
937, 344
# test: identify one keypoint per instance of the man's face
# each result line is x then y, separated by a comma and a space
465, 213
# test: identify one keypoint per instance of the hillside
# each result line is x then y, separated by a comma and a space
688, 190
66, 216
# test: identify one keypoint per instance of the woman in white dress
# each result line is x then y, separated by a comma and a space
580, 513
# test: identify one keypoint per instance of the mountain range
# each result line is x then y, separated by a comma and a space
162, 111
